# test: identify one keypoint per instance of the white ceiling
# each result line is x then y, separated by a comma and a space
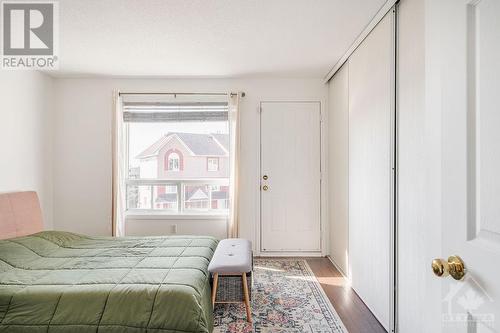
208, 38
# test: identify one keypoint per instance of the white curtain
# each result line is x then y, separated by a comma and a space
234, 131
118, 219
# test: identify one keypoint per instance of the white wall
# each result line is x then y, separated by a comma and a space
82, 137
338, 168
139, 226
26, 136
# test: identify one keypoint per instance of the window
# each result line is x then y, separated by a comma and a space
167, 144
173, 162
212, 164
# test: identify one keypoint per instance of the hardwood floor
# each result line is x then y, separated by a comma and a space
355, 315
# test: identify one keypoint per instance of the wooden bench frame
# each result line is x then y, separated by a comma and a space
246, 296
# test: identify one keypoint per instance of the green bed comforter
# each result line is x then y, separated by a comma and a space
63, 282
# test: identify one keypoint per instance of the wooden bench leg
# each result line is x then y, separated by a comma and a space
247, 297
214, 288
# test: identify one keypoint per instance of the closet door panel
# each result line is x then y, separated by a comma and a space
371, 94
338, 167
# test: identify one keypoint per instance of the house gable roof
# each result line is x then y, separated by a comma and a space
223, 140
197, 144
154, 148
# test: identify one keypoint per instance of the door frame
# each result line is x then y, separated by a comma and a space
322, 204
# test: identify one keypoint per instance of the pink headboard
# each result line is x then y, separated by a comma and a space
20, 214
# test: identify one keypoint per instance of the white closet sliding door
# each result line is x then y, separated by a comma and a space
371, 146
338, 167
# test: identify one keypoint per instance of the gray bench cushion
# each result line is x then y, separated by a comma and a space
233, 255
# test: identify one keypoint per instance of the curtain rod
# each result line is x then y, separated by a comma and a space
182, 93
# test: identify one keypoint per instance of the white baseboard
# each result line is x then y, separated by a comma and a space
338, 267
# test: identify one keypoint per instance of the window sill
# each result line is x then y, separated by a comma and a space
164, 216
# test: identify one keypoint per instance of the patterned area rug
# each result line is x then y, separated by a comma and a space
286, 297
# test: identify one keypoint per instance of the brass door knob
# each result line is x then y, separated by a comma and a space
265, 187
454, 267
265, 177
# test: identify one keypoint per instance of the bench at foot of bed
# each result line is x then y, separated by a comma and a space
231, 268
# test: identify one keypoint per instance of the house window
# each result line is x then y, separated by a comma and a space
173, 162
167, 144
212, 164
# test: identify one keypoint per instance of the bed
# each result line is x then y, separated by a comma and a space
53, 281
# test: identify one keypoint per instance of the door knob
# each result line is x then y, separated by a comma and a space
265, 187
454, 266
265, 177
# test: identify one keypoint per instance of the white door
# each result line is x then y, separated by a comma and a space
371, 168
469, 46
290, 176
